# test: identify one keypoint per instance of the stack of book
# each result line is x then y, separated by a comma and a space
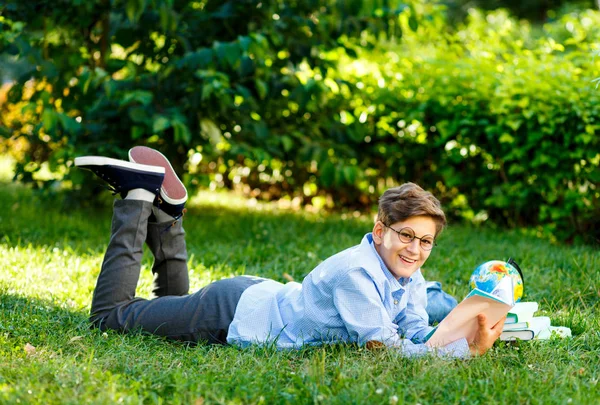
522, 324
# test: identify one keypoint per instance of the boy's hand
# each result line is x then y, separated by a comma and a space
485, 337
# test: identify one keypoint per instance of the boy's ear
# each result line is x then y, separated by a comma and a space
378, 230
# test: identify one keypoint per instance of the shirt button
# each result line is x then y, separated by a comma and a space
395, 302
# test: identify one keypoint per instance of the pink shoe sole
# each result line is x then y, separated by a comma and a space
172, 190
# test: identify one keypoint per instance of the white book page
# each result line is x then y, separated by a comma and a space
505, 290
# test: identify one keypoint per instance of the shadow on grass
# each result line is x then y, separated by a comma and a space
34, 320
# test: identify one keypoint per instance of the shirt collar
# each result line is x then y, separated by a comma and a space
397, 284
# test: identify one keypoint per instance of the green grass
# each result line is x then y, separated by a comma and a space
49, 260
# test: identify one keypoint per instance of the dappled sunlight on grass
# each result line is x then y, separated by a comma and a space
44, 272
223, 199
60, 253
50, 260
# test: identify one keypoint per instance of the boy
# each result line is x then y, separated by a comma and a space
368, 294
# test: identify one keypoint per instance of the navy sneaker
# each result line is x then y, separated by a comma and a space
123, 176
173, 194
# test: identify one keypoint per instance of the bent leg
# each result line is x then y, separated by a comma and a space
120, 270
166, 240
205, 315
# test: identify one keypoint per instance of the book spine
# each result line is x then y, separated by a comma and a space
521, 335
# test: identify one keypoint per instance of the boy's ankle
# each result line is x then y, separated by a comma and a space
173, 194
140, 194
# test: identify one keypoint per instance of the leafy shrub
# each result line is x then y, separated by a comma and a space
319, 101
501, 123
235, 82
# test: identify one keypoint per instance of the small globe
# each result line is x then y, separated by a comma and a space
487, 276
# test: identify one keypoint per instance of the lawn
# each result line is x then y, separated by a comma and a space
50, 258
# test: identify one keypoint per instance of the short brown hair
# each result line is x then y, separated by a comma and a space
409, 200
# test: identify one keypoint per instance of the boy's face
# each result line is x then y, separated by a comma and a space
403, 259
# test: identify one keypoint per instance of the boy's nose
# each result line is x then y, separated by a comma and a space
414, 245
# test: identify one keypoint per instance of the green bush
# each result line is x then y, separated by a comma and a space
501, 123
321, 102
234, 82
515, 122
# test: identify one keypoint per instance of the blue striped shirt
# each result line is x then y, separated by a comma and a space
350, 297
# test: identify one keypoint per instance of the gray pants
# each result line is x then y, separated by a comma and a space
202, 316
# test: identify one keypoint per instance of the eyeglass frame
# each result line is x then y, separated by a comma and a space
434, 244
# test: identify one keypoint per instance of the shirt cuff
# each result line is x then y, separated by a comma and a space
458, 349
420, 336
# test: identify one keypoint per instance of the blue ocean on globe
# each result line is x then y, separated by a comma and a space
487, 276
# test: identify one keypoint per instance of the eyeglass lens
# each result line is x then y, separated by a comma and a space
407, 235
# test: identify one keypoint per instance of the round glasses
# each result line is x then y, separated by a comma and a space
407, 235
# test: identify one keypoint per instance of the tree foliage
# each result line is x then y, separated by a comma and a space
329, 102
234, 81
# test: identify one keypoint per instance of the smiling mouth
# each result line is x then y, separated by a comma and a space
407, 260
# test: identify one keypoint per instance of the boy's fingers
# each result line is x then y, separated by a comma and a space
481, 320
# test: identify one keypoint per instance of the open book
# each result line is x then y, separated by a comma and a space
462, 321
